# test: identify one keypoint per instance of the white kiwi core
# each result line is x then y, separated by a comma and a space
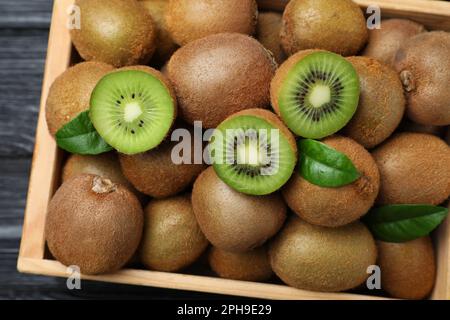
320, 95
131, 111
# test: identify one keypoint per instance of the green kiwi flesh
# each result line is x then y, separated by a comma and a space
414, 169
132, 110
246, 266
252, 154
384, 42
219, 75
337, 26
316, 93
408, 269
71, 91
233, 221
191, 20
334, 207
94, 224
172, 239
118, 32
316, 258
381, 103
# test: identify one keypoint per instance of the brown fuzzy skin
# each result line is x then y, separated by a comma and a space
315, 258
233, 221
105, 165
408, 269
155, 174
414, 169
118, 32
381, 103
334, 207
219, 75
273, 120
426, 77
172, 239
94, 224
248, 266
337, 26
189, 20
384, 43
268, 33
409, 126
70, 93
165, 46
281, 74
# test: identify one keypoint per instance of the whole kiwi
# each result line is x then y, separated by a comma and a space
154, 172
426, 77
337, 26
268, 33
247, 266
165, 46
408, 269
233, 221
410, 126
118, 32
172, 239
105, 165
384, 42
219, 75
189, 20
71, 91
414, 169
333, 207
316, 258
94, 224
381, 102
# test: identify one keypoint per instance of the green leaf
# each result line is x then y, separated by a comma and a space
404, 222
324, 166
79, 136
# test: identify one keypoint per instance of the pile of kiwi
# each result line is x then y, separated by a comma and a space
152, 68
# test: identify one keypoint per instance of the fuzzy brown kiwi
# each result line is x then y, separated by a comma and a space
233, 221
172, 239
426, 77
410, 126
165, 46
219, 75
268, 33
408, 269
333, 207
306, 25
414, 169
94, 224
104, 165
155, 174
384, 42
71, 92
381, 103
194, 19
118, 32
316, 258
247, 266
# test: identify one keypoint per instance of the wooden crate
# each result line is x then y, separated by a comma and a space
46, 165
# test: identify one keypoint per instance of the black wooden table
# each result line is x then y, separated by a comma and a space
23, 42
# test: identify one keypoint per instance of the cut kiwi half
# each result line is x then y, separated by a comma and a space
253, 152
132, 110
316, 93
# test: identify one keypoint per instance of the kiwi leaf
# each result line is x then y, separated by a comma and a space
324, 166
404, 222
79, 136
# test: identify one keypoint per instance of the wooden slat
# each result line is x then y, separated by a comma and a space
433, 14
25, 14
45, 165
192, 283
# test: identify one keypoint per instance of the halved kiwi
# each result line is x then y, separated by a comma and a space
315, 92
133, 110
253, 152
